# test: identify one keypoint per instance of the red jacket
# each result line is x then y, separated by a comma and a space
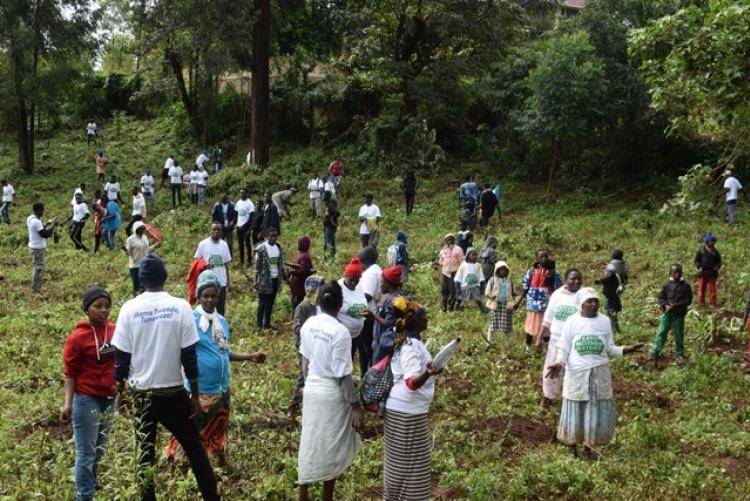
196, 268
93, 377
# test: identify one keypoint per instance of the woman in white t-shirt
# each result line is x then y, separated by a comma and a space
202, 186
586, 343
406, 469
330, 406
352, 313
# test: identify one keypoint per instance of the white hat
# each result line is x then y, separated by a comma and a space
585, 294
727, 173
137, 225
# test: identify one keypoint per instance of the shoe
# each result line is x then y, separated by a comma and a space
527, 349
682, 358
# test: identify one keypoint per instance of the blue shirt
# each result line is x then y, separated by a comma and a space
112, 223
213, 358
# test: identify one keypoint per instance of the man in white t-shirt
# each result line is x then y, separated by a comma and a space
113, 189
168, 163
202, 159
148, 188
215, 252
269, 273
369, 217
90, 133
78, 221
81, 188
175, 183
316, 188
245, 209
155, 342
8, 194
38, 235
732, 188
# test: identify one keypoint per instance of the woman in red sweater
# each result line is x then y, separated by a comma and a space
89, 361
302, 269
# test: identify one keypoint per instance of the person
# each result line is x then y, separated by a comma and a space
112, 189
732, 188
245, 209
302, 313
111, 224
193, 186
370, 283
139, 209
384, 319
90, 133
563, 303
301, 269
488, 256
369, 217
406, 437
469, 281
148, 188
101, 164
214, 374
202, 186
88, 364
217, 157
168, 164
78, 221
336, 170
586, 344
8, 194
354, 308
330, 223
271, 217
488, 203
398, 254
464, 236
99, 210
315, 187
450, 258
613, 283
330, 186
155, 344
175, 183
38, 235
331, 412
257, 224
79, 190
468, 192
674, 298
409, 186
283, 201
224, 213
538, 283
708, 263
500, 292
215, 252
136, 248
469, 216
269, 271
202, 158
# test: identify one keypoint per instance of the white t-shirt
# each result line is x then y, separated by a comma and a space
79, 211
8, 193
201, 160
733, 185
91, 128
154, 328
273, 256
365, 212
138, 203
244, 209
314, 187
147, 184
175, 174
327, 345
370, 284
586, 343
410, 361
562, 304
194, 175
216, 254
329, 186
169, 163
113, 190
202, 178
469, 275
34, 225
354, 301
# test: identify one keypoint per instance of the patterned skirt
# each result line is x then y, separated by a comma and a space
213, 425
589, 422
406, 469
501, 319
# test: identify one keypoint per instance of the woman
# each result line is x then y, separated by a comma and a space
586, 343
449, 259
136, 247
354, 308
563, 303
89, 362
111, 223
488, 256
330, 410
539, 282
406, 471
99, 210
302, 269
214, 357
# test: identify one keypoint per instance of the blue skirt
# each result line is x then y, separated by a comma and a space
590, 423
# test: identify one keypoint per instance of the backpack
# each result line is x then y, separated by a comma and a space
392, 255
376, 385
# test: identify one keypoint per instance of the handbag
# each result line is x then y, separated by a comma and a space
376, 385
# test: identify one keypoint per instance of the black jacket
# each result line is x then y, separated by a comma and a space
679, 294
708, 263
271, 218
217, 216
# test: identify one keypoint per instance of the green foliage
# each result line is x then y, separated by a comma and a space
695, 195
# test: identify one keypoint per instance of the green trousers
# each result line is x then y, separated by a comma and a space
677, 324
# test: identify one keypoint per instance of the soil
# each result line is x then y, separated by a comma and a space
738, 469
460, 387
438, 493
532, 432
633, 390
727, 314
53, 428
30, 384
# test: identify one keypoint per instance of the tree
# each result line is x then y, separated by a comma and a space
260, 134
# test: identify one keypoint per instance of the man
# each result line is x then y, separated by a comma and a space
175, 184
732, 188
315, 187
202, 159
271, 217
487, 204
139, 210
245, 209
269, 271
218, 158
8, 194
283, 201
369, 217
330, 223
79, 217
168, 163
38, 235
81, 188
468, 192
224, 213
90, 133
148, 188
155, 340
215, 252
112, 188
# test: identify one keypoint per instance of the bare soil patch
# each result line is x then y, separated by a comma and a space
532, 432
738, 469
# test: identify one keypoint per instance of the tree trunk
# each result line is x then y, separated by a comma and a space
550, 177
176, 63
260, 136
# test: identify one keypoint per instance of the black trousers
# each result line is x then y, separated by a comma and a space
136, 280
265, 306
172, 411
409, 202
176, 195
447, 292
243, 239
363, 344
75, 234
222, 301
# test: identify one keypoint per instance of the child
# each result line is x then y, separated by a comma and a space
464, 237
613, 283
537, 285
488, 256
500, 293
469, 215
708, 262
469, 281
674, 299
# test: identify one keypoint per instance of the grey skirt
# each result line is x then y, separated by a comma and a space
590, 423
471, 293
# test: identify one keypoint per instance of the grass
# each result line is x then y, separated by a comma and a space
681, 432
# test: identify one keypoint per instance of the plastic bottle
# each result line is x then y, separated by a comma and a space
445, 354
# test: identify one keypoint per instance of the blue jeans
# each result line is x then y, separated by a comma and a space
109, 238
6, 214
329, 239
92, 420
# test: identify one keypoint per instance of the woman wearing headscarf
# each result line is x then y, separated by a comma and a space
214, 357
302, 269
585, 345
137, 247
500, 293
488, 256
384, 319
89, 361
354, 309
406, 469
331, 409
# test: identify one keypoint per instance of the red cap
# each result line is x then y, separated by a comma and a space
392, 274
354, 268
